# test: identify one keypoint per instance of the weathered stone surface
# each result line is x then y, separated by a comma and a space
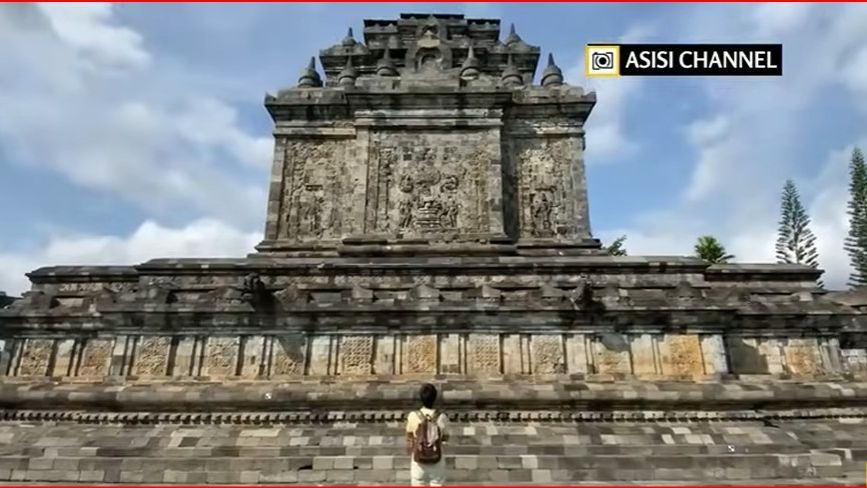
420, 354
514, 360
611, 354
547, 354
221, 356
96, 358
151, 356
483, 353
64, 357
803, 357
715, 354
187, 362
644, 357
681, 355
287, 355
35, 357
253, 358
356, 355
576, 354
452, 351
746, 358
384, 363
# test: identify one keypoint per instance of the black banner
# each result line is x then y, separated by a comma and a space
684, 60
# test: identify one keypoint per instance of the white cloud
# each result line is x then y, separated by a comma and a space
778, 18
201, 238
81, 96
753, 138
88, 28
606, 137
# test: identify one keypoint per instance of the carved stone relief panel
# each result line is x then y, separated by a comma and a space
681, 355
428, 184
314, 181
221, 356
420, 354
287, 355
96, 358
151, 356
356, 355
611, 354
484, 353
547, 354
544, 187
35, 357
803, 357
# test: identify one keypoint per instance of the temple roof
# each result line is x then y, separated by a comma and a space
433, 47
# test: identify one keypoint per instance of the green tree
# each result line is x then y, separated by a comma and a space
796, 243
616, 248
711, 249
856, 241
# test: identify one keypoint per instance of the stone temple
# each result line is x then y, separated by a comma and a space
428, 221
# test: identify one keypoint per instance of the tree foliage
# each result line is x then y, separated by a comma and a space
711, 249
617, 247
796, 243
856, 241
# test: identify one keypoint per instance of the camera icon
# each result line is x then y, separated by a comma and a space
601, 60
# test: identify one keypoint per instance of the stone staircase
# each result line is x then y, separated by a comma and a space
831, 450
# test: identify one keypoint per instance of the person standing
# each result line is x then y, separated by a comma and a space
426, 431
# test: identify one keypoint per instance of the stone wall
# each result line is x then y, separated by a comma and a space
615, 355
403, 167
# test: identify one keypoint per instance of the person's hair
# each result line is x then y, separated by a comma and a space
428, 395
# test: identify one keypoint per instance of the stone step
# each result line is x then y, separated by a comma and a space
537, 469
469, 449
502, 434
782, 482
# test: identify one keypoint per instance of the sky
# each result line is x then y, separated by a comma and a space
135, 131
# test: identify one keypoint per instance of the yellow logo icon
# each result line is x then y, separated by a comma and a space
601, 60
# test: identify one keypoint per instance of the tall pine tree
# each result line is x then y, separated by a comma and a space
796, 243
856, 241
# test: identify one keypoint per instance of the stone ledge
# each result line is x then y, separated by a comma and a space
397, 416
323, 395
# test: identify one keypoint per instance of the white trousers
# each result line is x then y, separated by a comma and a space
428, 474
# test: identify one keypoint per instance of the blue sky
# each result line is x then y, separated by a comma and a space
132, 131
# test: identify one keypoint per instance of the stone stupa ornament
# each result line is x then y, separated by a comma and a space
513, 37
552, 76
511, 76
349, 40
470, 67
310, 77
349, 74
385, 66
